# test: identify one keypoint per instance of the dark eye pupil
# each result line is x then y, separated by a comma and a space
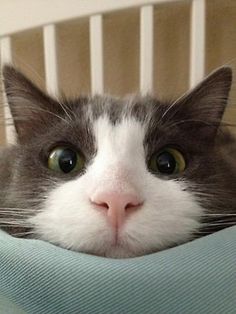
67, 160
166, 163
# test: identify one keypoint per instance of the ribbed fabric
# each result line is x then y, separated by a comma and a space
197, 277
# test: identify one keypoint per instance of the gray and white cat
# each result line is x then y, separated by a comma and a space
118, 177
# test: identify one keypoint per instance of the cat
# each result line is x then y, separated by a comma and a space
118, 177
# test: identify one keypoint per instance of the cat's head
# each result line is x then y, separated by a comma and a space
117, 177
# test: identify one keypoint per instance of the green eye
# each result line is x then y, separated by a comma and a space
63, 159
168, 161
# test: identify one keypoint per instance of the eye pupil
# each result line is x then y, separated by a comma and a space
67, 160
166, 163
64, 159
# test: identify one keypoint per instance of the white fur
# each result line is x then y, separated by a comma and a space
168, 216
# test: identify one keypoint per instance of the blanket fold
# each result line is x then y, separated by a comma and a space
197, 277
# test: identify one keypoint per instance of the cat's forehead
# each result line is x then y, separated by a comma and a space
128, 132
129, 121
116, 109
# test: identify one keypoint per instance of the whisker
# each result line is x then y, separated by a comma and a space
10, 224
15, 208
12, 220
65, 109
170, 107
221, 220
218, 214
12, 214
39, 78
223, 223
22, 234
18, 211
51, 113
38, 109
190, 121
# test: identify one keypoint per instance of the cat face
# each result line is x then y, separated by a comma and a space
116, 178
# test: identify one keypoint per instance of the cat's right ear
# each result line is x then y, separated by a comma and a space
31, 109
200, 110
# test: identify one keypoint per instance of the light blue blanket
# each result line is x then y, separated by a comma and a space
197, 277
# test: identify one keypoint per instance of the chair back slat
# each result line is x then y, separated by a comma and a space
50, 58
6, 58
96, 54
197, 46
146, 49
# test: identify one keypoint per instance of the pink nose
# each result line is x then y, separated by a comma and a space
117, 206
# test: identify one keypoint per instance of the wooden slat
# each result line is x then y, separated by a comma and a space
50, 58
197, 49
146, 49
6, 57
17, 16
96, 54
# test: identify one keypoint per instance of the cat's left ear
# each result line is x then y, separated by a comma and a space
206, 103
32, 110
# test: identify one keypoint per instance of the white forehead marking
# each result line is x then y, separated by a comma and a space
125, 137
120, 154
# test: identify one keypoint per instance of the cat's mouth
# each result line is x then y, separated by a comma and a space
117, 246
120, 247
116, 241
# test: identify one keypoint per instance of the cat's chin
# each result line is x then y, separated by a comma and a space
124, 254
125, 250
116, 252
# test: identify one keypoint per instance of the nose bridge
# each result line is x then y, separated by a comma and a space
112, 163
116, 173
117, 178
119, 152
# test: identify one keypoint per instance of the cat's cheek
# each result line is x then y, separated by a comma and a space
66, 230
67, 219
71, 231
152, 230
171, 215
